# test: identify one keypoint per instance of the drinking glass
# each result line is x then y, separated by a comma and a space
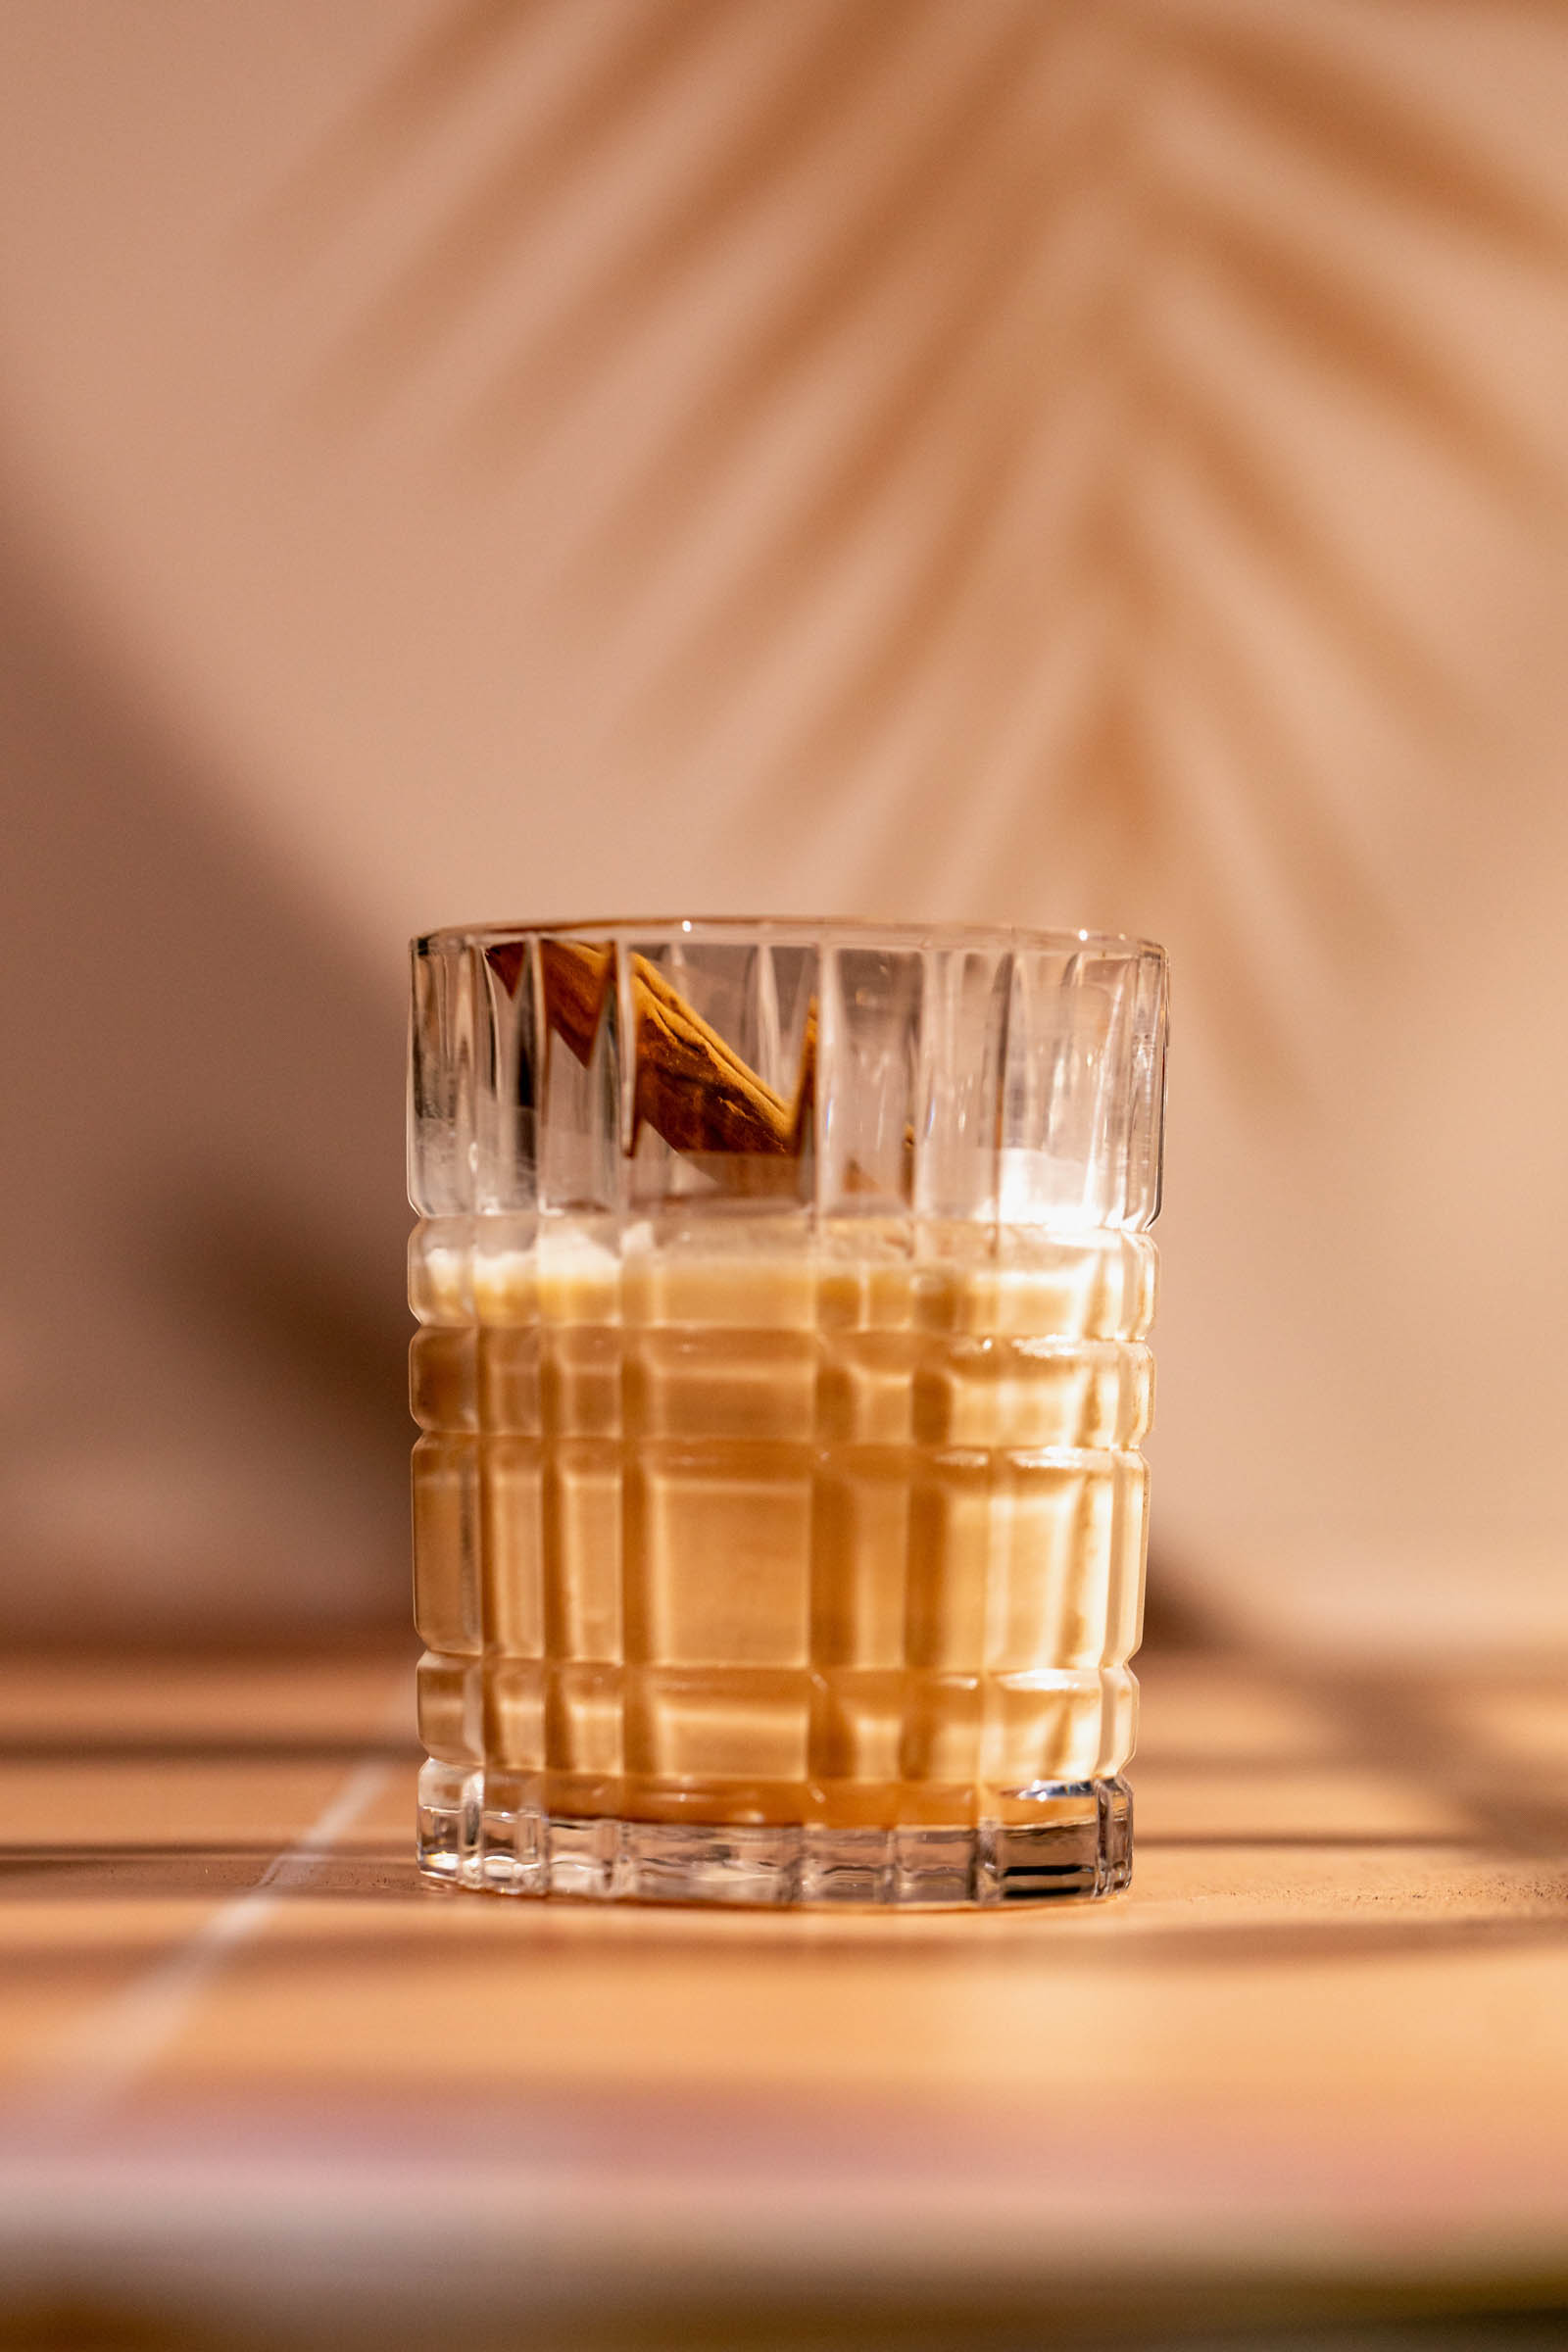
783, 1294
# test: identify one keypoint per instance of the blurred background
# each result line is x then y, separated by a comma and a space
478, 458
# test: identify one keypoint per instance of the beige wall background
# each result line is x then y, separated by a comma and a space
521, 458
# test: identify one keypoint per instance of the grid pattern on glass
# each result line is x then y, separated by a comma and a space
781, 1375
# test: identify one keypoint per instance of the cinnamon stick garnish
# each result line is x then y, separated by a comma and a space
691, 1086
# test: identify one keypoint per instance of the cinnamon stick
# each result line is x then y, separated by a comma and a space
691, 1086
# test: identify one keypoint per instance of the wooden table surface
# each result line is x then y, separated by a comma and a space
262, 2084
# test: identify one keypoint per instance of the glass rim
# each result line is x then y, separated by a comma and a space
842, 930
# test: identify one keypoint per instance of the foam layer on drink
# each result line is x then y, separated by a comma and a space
754, 1528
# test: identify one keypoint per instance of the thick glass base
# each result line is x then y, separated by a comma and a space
1065, 1839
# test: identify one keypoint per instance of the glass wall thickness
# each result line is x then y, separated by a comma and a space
783, 1295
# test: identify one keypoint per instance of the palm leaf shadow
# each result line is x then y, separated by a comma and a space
878, 442
767, 140
504, 207
397, 115
957, 191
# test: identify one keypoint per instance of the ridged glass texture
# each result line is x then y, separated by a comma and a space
783, 1295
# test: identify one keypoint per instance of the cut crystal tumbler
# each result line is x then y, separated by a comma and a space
779, 1518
